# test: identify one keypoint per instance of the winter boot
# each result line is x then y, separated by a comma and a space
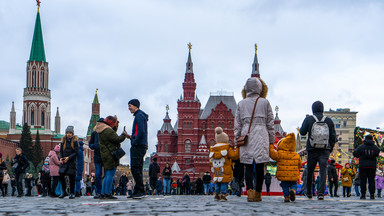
217, 197
251, 195
223, 198
362, 197
372, 196
292, 195
286, 198
257, 197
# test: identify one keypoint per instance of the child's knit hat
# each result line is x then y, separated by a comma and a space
57, 148
220, 136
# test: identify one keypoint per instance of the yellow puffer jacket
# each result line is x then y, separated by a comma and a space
221, 157
346, 177
288, 161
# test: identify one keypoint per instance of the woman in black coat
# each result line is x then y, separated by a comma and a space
68, 153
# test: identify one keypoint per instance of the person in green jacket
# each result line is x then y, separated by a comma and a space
109, 142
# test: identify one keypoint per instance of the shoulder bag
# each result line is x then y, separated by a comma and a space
242, 140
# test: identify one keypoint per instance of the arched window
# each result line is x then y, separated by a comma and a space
229, 125
187, 146
42, 118
203, 125
166, 147
185, 125
32, 118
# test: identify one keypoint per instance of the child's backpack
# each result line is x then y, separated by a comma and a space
319, 134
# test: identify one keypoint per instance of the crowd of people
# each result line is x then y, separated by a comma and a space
232, 164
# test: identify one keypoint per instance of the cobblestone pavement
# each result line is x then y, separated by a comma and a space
188, 205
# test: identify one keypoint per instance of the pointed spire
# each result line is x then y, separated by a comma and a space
37, 50
203, 141
13, 107
57, 112
13, 118
96, 98
255, 65
57, 121
189, 68
167, 123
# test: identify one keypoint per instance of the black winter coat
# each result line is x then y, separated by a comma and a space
367, 154
268, 178
207, 179
167, 172
20, 163
154, 169
94, 145
123, 181
332, 173
306, 127
70, 167
3, 167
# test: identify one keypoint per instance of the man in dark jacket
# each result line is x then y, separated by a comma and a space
268, 181
367, 154
318, 155
154, 170
94, 145
206, 181
139, 146
333, 179
20, 164
123, 184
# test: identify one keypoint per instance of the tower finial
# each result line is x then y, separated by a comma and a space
189, 46
97, 90
38, 5
255, 48
167, 108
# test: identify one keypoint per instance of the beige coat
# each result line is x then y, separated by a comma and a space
262, 131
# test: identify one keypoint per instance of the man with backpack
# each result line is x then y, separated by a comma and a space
321, 140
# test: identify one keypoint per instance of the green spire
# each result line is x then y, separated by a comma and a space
96, 99
37, 50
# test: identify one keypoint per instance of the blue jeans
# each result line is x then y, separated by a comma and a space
77, 186
108, 181
287, 185
221, 188
98, 175
167, 186
206, 188
357, 190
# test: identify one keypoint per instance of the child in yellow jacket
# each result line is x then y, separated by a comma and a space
221, 157
288, 165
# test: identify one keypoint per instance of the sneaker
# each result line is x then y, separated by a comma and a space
109, 196
72, 196
309, 196
292, 195
62, 195
217, 197
19, 195
139, 195
131, 196
320, 197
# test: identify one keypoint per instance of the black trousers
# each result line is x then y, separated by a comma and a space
314, 157
19, 183
152, 182
238, 173
346, 191
268, 187
332, 184
137, 161
55, 182
251, 175
71, 183
367, 173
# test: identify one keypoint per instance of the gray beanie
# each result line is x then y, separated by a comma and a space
70, 129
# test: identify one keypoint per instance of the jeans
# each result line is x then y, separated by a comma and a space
221, 188
206, 188
108, 181
98, 176
77, 186
367, 173
346, 189
357, 191
251, 175
287, 185
332, 184
166, 186
314, 157
19, 183
379, 193
124, 190
137, 161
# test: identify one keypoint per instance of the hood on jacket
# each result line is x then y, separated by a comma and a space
101, 126
51, 153
288, 143
317, 107
75, 138
141, 111
369, 142
255, 86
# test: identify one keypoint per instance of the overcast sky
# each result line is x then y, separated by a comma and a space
308, 50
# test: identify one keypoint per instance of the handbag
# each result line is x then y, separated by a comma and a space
346, 179
117, 154
242, 140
